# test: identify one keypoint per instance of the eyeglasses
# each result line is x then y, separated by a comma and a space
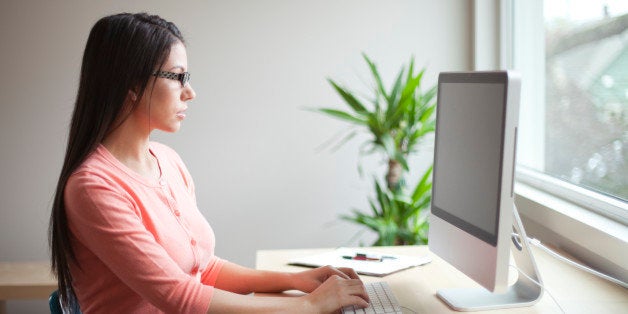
181, 77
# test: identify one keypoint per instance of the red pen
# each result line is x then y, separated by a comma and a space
362, 257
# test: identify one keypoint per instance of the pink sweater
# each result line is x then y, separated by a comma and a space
142, 245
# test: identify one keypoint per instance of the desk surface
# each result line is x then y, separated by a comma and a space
575, 290
26, 280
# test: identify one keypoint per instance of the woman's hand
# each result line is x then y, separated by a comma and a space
310, 280
335, 293
330, 289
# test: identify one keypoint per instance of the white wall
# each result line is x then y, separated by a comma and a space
247, 140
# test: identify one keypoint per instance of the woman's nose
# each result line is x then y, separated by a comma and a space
188, 93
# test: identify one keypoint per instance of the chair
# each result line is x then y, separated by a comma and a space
55, 305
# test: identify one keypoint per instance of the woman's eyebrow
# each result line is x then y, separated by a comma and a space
177, 67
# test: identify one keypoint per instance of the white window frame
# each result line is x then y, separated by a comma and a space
588, 225
534, 70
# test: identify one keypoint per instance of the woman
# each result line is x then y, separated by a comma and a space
125, 233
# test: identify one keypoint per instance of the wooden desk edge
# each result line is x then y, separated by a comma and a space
26, 280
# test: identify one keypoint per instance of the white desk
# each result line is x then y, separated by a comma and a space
575, 290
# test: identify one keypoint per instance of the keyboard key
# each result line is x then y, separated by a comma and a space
382, 300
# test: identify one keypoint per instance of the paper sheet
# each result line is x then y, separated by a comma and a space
390, 263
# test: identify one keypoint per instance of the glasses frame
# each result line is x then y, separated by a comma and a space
183, 78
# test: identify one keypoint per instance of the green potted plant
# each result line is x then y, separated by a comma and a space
397, 120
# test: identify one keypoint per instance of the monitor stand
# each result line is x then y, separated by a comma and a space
523, 293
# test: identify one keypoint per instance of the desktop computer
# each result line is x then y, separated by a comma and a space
474, 224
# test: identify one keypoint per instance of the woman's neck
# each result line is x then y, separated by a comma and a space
131, 146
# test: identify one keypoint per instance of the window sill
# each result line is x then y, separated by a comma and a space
593, 239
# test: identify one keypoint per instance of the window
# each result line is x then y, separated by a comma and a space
573, 56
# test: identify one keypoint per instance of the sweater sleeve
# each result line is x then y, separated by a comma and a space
106, 221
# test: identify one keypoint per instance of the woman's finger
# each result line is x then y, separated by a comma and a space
355, 300
335, 271
349, 272
356, 288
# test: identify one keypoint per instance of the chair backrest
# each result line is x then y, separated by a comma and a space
55, 305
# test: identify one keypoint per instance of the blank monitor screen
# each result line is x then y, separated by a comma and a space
468, 156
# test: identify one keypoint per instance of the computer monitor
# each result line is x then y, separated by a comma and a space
472, 212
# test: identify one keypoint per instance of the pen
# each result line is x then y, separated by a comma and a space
366, 257
361, 257
378, 257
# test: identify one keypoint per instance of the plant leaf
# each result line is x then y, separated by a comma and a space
392, 98
411, 86
410, 69
348, 97
345, 139
403, 199
402, 160
376, 213
378, 80
383, 199
343, 116
388, 143
428, 113
423, 186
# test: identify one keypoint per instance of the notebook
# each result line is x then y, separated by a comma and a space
364, 262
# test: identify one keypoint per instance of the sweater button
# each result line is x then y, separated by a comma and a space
193, 242
177, 213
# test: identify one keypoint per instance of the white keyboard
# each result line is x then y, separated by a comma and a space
382, 300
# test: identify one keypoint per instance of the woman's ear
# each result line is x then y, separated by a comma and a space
133, 95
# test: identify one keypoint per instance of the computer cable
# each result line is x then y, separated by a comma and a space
409, 309
540, 245
540, 285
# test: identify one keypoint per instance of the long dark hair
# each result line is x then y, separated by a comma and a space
121, 54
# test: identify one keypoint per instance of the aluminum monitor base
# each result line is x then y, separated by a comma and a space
522, 293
